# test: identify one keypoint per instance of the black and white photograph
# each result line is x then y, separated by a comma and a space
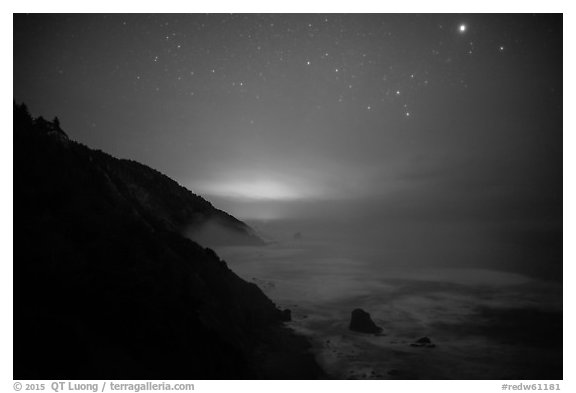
288, 196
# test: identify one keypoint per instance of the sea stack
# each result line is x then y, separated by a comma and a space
361, 322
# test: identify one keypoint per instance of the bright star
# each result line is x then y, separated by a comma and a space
462, 28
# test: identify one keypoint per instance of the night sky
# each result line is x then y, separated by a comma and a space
431, 118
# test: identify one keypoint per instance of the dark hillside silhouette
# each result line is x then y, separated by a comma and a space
106, 286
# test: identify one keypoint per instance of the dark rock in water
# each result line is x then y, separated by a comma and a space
361, 322
423, 342
286, 315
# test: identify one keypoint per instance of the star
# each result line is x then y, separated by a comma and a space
397, 92
462, 28
308, 62
501, 48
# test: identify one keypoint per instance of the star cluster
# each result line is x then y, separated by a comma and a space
366, 65
294, 90
373, 62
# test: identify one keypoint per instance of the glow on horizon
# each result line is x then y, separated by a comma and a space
262, 189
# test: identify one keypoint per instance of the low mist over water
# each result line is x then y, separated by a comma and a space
390, 233
488, 316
